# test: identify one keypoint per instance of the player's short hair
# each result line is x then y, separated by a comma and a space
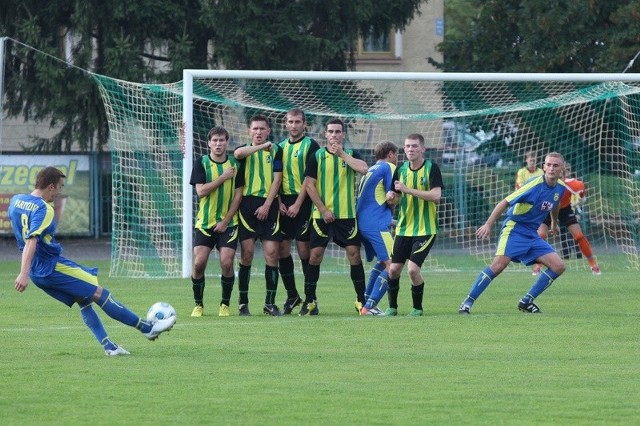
416, 137
383, 149
555, 155
297, 111
219, 130
48, 176
530, 154
335, 121
259, 117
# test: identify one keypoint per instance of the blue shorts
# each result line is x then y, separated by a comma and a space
377, 244
69, 282
521, 245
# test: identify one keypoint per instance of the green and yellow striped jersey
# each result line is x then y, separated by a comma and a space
417, 217
258, 170
294, 161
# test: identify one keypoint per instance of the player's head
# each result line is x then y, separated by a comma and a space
334, 131
387, 151
553, 165
295, 122
530, 159
414, 147
218, 140
49, 182
259, 129
567, 170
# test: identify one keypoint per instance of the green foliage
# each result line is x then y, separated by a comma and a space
576, 363
540, 36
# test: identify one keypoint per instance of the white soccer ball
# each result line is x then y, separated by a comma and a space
159, 311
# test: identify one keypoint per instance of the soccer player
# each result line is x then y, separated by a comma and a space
261, 167
330, 179
419, 183
34, 226
519, 239
529, 170
295, 206
374, 215
567, 218
214, 176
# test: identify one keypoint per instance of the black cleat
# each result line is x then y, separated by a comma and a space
310, 308
243, 310
271, 309
289, 304
531, 308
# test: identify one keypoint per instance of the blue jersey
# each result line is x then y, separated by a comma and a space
530, 205
372, 210
32, 217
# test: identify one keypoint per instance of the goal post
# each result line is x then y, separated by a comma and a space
477, 127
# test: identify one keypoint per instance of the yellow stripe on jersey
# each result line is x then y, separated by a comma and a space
416, 217
258, 172
215, 206
294, 159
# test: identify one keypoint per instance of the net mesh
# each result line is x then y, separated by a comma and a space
478, 131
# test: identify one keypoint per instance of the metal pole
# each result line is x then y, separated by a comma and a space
2, 43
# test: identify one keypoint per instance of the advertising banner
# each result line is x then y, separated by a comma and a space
72, 207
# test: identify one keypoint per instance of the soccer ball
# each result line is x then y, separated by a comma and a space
160, 310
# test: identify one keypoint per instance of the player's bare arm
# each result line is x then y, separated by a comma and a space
245, 151
310, 184
29, 250
498, 210
204, 189
434, 194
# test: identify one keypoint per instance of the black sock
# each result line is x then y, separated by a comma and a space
417, 292
392, 292
310, 283
227, 288
305, 266
288, 277
198, 290
358, 278
271, 278
244, 275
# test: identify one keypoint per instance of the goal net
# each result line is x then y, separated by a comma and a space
477, 127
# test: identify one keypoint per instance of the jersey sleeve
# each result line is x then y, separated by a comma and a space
311, 168
435, 177
198, 175
277, 159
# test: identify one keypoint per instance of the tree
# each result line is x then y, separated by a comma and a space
540, 36
152, 41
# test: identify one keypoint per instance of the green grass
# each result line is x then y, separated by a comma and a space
578, 363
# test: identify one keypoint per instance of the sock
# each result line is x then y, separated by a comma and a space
288, 276
585, 247
120, 312
91, 319
417, 292
271, 278
392, 292
198, 289
244, 275
305, 265
379, 289
357, 278
545, 279
227, 288
480, 285
373, 276
310, 283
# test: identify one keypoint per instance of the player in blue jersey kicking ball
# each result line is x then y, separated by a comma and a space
34, 226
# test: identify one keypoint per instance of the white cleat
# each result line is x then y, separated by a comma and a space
119, 350
159, 327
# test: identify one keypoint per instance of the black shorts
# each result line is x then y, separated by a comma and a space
415, 249
343, 232
251, 227
566, 217
211, 239
296, 227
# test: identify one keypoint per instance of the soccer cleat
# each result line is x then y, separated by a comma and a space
373, 311
243, 310
415, 313
160, 326
119, 350
464, 309
531, 308
289, 304
391, 312
359, 306
536, 269
224, 310
310, 308
271, 309
197, 311
595, 270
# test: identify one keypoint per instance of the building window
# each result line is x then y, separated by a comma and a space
379, 46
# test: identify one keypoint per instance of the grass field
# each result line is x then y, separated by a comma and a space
578, 363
